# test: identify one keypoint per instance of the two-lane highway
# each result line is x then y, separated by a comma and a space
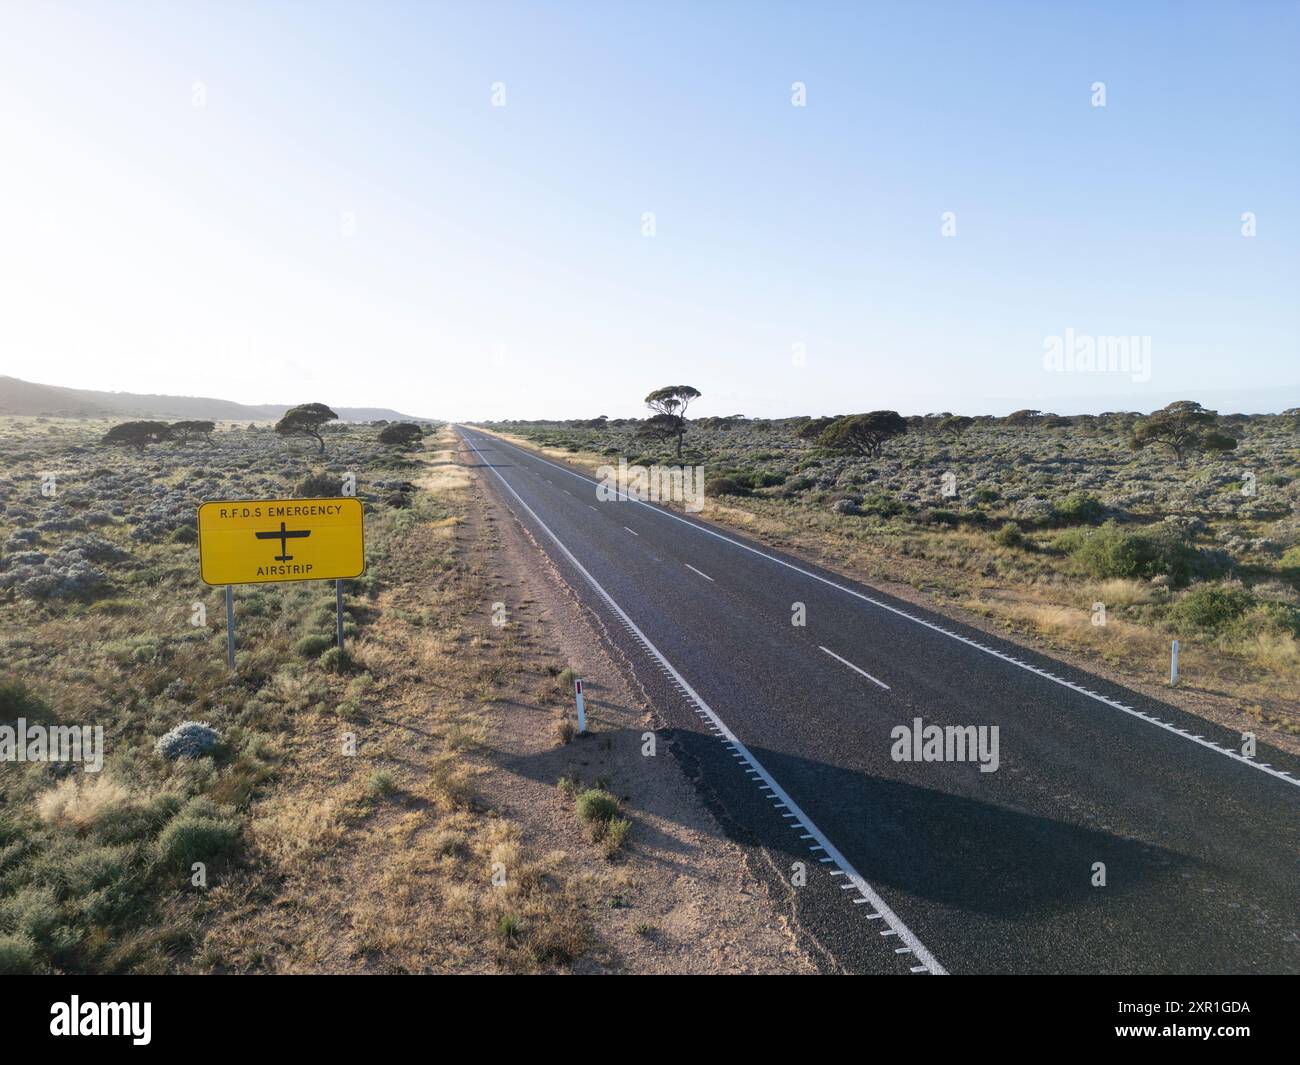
1095, 829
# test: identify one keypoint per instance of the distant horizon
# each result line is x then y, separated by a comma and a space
1290, 397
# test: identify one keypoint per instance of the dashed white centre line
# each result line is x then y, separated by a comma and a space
780, 798
699, 571
855, 668
632, 531
1115, 704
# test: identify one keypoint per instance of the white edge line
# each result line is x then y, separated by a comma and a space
699, 571
855, 668
1227, 752
891, 918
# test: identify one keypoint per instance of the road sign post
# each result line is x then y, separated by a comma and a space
338, 604
259, 541
230, 625
582, 714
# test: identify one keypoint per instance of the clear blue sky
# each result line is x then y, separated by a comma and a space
348, 218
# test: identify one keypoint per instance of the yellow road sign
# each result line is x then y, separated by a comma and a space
249, 541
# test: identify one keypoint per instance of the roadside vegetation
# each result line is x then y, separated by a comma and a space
207, 840
1106, 535
108, 625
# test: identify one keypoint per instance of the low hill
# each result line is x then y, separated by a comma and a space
26, 397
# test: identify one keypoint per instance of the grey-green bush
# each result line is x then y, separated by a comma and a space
1079, 509
189, 739
594, 804
193, 838
725, 486
17, 954
314, 645
1111, 551
1212, 608
1009, 535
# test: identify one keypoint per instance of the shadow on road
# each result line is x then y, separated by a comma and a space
971, 855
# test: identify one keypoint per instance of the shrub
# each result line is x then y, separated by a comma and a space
597, 805
882, 504
133, 820
189, 739
1212, 608
337, 660
765, 479
1279, 617
400, 434
316, 485
192, 837
67, 574
725, 486
1110, 551
1290, 563
17, 954
1009, 535
314, 645
616, 830
938, 516
31, 911
83, 870
97, 549
1184, 562
114, 607
17, 700
1079, 509
382, 783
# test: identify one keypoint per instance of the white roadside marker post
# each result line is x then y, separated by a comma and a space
582, 714
230, 625
1173, 665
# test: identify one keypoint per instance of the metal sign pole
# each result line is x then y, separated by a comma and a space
230, 625
338, 603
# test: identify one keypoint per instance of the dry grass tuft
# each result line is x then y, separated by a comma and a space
451, 782
82, 801
296, 829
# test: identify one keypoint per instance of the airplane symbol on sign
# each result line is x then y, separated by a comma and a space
283, 536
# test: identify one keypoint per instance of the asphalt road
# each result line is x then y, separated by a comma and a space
928, 866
